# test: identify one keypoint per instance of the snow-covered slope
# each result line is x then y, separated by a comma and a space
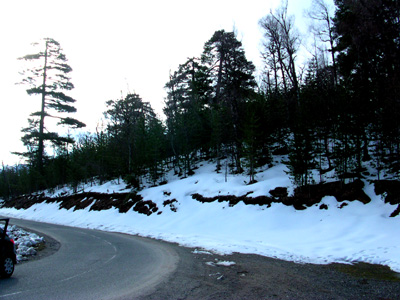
353, 233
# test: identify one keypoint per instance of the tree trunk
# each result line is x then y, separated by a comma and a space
219, 80
42, 116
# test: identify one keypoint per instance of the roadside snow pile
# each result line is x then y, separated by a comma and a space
332, 230
25, 242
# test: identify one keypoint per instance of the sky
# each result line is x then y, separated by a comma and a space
116, 47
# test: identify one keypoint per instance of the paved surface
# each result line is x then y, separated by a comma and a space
90, 264
98, 265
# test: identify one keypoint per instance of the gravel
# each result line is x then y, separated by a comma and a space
259, 277
205, 275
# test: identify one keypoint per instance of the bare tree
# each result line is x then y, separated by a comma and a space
282, 42
321, 13
273, 50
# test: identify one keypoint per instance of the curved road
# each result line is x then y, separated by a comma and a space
90, 264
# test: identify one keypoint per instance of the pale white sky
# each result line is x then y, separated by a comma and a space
115, 47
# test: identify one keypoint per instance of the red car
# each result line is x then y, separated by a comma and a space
8, 255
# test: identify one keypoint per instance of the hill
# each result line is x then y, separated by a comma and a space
325, 223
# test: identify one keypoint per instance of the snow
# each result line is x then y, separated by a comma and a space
223, 263
196, 251
25, 241
355, 233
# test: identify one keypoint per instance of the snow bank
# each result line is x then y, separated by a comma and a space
25, 242
354, 233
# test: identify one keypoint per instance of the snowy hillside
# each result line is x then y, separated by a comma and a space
326, 232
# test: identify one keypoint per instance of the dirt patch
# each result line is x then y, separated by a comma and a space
390, 190
98, 201
312, 194
145, 207
25, 201
200, 276
368, 271
303, 196
233, 200
171, 204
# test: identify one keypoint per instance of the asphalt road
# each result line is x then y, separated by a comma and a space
100, 265
91, 264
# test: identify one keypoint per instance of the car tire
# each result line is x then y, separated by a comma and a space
7, 267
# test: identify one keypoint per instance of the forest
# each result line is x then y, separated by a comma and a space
339, 111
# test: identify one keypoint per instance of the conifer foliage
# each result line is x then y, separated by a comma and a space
329, 117
48, 78
135, 135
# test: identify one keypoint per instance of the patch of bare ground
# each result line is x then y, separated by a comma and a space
97, 201
303, 197
310, 195
258, 277
390, 190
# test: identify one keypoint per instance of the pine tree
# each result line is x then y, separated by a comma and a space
129, 121
48, 79
232, 82
188, 90
369, 63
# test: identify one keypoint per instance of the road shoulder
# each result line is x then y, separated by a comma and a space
204, 275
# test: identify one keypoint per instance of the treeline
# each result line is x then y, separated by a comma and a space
336, 112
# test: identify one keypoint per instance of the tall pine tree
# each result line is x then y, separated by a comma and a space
48, 78
232, 82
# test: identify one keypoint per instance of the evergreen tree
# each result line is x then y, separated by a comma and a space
369, 62
48, 79
185, 109
319, 105
251, 143
129, 121
155, 149
232, 82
